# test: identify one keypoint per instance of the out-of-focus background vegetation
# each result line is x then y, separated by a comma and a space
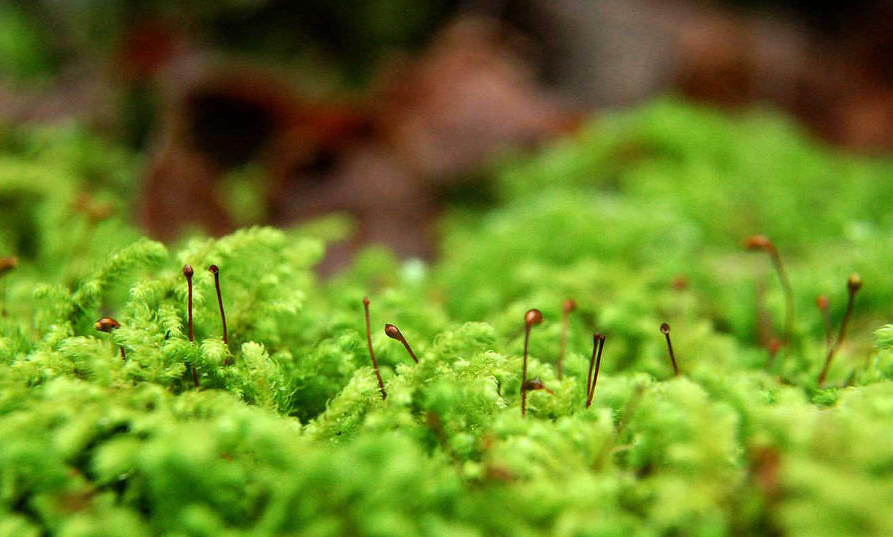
268, 111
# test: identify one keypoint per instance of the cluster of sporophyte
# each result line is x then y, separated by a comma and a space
142, 396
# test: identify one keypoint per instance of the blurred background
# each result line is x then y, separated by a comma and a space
268, 111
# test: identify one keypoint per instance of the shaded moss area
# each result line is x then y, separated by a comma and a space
639, 218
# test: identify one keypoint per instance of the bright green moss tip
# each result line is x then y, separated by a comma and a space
638, 218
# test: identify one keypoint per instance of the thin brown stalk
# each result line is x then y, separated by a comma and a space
188, 272
854, 283
665, 328
595, 362
216, 272
384, 394
762, 243
531, 318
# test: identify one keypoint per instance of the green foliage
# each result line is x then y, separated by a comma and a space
638, 218
24, 55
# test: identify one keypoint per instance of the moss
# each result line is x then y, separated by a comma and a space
638, 217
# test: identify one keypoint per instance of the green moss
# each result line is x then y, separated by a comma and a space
288, 433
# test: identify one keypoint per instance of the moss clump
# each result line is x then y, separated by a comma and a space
638, 218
